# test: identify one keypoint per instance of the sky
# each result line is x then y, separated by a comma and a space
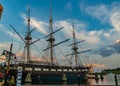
95, 21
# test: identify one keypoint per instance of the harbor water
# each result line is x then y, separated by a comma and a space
109, 79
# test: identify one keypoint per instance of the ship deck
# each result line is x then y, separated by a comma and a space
47, 69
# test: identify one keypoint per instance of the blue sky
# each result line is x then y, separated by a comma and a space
96, 21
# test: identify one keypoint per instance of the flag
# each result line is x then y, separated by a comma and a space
1, 10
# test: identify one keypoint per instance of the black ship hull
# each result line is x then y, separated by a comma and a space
70, 76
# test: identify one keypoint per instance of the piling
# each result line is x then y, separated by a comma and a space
28, 79
64, 79
101, 77
96, 78
39, 80
116, 82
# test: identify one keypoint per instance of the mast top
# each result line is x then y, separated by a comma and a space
74, 38
73, 24
28, 12
51, 17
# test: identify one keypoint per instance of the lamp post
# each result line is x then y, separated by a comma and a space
15, 60
7, 71
9, 53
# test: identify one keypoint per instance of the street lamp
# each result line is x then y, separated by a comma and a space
15, 60
7, 53
5, 73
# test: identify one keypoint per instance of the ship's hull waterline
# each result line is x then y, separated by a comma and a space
51, 77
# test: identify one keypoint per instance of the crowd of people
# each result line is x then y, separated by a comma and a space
10, 80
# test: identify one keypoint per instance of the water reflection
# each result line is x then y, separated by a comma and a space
109, 79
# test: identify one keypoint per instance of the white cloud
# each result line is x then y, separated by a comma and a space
39, 25
110, 61
115, 20
105, 13
94, 40
9, 33
100, 12
2, 45
67, 27
95, 33
92, 37
107, 35
92, 32
117, 41
1, 26
109, 14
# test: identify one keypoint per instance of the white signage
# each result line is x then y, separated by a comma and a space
19, 76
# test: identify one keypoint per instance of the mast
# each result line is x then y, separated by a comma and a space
28, 37
51, 37
75, 48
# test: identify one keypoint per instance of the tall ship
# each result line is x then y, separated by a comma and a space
49, 72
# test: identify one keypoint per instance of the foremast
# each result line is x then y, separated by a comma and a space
27, 39
51, 37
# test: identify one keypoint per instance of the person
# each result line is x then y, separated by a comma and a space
0, 77
12, 81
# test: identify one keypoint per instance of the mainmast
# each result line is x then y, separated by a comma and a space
51, 37
28, 37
